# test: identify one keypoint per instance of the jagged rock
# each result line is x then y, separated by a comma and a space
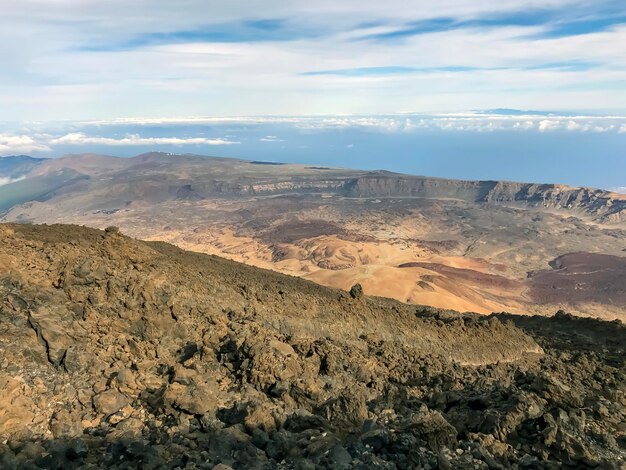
30, 452
349, 409
197, 399
565, 435
301, 420
376, 438
356, 291
65, 424
17, 410
260, 438
221, 466
109, 402
54, 330
120, 354
339, 458
432, 428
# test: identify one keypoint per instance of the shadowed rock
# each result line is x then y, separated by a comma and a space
116, 353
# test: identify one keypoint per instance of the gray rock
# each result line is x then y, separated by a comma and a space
356, 291
339, 457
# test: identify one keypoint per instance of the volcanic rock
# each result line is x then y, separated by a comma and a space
117, 353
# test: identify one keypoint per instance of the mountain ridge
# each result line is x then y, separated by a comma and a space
340, 227
604, 206
17, 166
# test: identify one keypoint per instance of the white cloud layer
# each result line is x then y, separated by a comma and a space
271, 138
20, 144
398, 123
40, 139
79, 138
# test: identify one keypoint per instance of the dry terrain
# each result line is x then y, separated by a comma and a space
479, 246
118, 353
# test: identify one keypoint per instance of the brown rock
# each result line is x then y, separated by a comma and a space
193, 399
431, 427
109, 402
348, 410
17, 409
65, 424
51, 324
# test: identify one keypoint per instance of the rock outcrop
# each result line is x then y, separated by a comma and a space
602, 205
151, 178
117, 353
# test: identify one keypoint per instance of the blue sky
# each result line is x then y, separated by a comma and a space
507, 144
88, 59
67, 62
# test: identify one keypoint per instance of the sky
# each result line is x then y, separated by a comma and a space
414, 81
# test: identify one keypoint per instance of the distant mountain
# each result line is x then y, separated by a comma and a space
163, 176
16, 166
479, 246
521, 112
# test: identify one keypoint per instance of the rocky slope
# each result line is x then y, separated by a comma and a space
117, 353
339, 226
16, 166
207, 178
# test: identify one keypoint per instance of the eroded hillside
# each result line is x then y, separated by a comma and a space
118, 353
477, 246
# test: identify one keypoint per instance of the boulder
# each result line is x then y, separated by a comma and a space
109, 402
431, 428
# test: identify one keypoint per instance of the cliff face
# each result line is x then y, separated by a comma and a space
595, 201
407, 186
605, 206
155, 178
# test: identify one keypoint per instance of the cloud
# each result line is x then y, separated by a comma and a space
582, 26
403, 70
392, 70
160, 57
82, 134
79, 138
233, 32
192, 120
549, 125
4, 180
477, 121
552, 23
520, 122
363, 71
469, 122
14, 144
619, 189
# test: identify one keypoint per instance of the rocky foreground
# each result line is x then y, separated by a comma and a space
116, 353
